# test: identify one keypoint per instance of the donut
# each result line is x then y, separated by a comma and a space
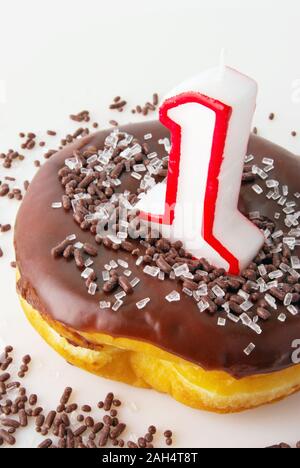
113, 305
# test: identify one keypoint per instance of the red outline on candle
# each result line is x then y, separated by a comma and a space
223, 113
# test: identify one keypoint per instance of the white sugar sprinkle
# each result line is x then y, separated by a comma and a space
290, 241
262, 174
250, 348
288, 210
284, 267
221, 322
172, 275
122, 235
142, 304
292, 310
104, 305
247, 305
117, 305
226, 307
249, 158
92, 289
257, 189
181, 270
243, 294
294, 273
174, 296
161, 275
268, 161
285, 190
166, 143
277, 249
254, 214
92, 159
218, 291
202, 273
152, 155
262, 285
120, 295
277, 234
135, 282
246, 320
282, 201
295, 262
271, 183
271, 301
276, 194
105, 275
262, 270
282, 317
151, 271
123, 223
272, 284
187, 291
86, 273
275, 274
122, 263
139, 168
136, 175
56, 205
203, 305
189, 276
255, 328
288, 299
233, 317
71, 237
202, 290
295, 232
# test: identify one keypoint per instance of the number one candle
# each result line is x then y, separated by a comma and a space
209, 118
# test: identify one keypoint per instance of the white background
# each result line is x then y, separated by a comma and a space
58, 57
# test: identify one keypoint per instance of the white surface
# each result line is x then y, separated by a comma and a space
60, 57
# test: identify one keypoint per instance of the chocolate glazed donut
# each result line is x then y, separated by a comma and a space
55, 288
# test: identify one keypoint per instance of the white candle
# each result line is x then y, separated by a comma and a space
209, 118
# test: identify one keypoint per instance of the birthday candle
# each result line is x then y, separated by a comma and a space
209, 118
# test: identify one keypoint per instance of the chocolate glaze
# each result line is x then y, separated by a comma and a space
55, 288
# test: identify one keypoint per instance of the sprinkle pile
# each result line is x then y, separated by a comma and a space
67, 426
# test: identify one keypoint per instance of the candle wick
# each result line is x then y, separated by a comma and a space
222, 65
